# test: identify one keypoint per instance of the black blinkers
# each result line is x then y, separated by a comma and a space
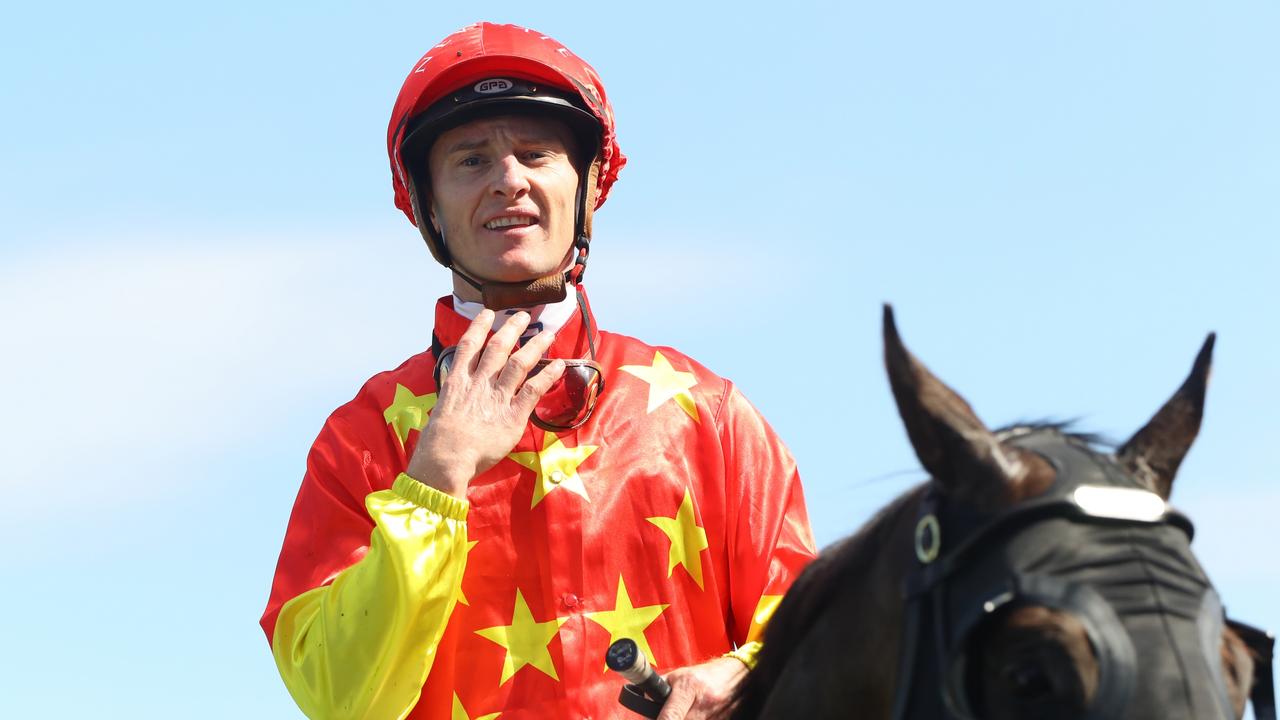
1096, 545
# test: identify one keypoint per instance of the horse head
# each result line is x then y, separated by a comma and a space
1035, 575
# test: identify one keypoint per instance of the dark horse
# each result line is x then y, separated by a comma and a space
1034, 576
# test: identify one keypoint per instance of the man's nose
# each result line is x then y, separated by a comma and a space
511, 178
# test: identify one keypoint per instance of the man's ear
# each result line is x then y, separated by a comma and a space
422, 204
431, 214
593, 193
424, 212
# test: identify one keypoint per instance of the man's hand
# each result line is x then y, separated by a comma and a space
483, 405
699, 691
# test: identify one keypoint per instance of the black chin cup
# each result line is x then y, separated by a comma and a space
545, 290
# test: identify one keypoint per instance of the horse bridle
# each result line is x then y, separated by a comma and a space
968, 566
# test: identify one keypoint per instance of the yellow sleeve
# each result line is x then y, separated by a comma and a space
361, 647
748, 651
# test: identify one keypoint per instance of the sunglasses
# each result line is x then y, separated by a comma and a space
567, 405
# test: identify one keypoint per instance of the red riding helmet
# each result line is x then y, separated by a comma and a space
485, 51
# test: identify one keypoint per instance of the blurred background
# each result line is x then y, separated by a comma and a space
200, 259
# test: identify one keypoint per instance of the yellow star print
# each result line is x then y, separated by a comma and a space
525, 640
460, 713
408, 412
665, 383
556, 466
462, 597
687, 539
627, 621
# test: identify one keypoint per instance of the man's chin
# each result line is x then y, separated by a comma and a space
517, 269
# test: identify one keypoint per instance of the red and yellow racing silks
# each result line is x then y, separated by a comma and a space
674, 517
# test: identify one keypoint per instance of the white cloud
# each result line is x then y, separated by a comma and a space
130, 352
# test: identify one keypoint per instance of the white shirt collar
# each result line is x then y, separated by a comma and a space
551, 316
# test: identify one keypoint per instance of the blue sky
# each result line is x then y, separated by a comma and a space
199, 259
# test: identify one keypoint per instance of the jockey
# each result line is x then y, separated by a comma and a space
478, 525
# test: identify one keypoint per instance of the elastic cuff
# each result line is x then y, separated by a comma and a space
747, 654
430, 498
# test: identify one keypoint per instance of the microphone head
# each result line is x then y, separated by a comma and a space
624, 656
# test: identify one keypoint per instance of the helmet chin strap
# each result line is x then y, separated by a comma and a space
504, 295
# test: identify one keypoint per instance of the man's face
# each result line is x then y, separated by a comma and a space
502, 194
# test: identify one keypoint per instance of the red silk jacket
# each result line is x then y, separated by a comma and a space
674, 516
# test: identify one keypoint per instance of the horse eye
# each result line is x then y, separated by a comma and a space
1028, 681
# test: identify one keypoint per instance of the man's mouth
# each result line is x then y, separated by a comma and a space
510, 221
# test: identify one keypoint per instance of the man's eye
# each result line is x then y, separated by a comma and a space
470, 161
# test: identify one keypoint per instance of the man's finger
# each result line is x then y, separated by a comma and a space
522, 361
464, 358
498, 349
536, 387
679, 702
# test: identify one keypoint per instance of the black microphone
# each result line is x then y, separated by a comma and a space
647, 691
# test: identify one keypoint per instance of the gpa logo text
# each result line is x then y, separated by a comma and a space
492, 85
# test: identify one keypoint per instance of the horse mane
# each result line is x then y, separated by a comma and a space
1066, 428
822, 582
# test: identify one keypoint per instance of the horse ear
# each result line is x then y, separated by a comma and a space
1154, 453
961, 454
